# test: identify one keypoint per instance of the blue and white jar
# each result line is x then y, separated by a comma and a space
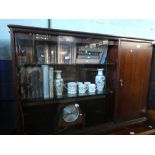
100, 81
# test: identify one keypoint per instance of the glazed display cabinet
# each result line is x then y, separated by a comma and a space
71, 82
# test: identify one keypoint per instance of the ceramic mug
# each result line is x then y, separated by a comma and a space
82, 88
87, 83
91, 88
79, 83
72, 88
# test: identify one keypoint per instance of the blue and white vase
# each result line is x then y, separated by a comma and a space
58, 82
100, 81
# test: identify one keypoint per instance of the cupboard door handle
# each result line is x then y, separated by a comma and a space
121, 83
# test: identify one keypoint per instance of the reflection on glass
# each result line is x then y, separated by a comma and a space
49, 49
31, 82
46, 47
24, 48
91, 51
66, 50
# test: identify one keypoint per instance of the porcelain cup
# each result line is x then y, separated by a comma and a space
91, 88
72, 88
78, 83
87, 83
82, 88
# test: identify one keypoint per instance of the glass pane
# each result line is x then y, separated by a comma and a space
66, 50
46, 47
91, 51
73, 50
31, 82
24, 48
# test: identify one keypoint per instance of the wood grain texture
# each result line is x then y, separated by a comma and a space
135, 62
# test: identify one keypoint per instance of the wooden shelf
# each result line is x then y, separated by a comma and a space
85, 65
63, 99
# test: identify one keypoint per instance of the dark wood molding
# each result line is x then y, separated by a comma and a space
26, 29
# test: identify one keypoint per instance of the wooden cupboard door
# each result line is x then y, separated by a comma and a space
133, 79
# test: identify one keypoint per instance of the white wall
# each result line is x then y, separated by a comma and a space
119, 27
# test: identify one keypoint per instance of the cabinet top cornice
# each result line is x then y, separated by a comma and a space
30, 29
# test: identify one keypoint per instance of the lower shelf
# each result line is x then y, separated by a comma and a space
50, 119
65, 98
